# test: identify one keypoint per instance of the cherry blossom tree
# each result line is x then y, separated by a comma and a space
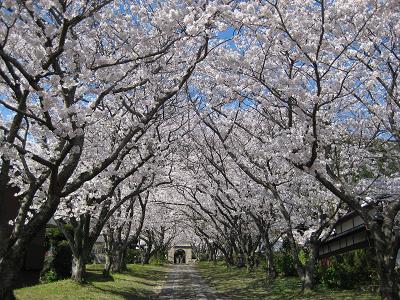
122, 229
63, 66
211, 189
294, 113
322, 78
160, 228
88, 220
289, 191
89, 208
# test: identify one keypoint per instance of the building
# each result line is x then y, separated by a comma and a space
350, 233
181, 253
99, 251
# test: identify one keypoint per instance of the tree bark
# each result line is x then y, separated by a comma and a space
269, 256
119, 264
13, 251
386, 253
239, 261
107, 265
9, 269
7, 294
81, 243
78, 269
308, 280
295, 254
250, 264
228, 255
146, 259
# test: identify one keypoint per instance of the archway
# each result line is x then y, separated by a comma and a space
180, 256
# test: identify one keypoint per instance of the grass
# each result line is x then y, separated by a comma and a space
238, 284
139, 282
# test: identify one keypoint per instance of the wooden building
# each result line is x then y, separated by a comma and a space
350, 233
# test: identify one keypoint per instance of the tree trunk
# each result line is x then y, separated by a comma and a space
388, 285
10, 265
146, 256
7, 293
228, 259
9, 268
292, 242
118, 264
239, 261
227, 256
209, 255
250, 264
269, 256
308, 280
12, 252
295, 254
107, 265
228, 262
250, 260
78, 269
386, 262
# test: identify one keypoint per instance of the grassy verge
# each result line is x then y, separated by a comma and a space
139, 282
238, 284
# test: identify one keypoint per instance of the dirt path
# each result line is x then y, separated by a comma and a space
184, 283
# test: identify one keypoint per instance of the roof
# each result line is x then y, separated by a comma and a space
182, 245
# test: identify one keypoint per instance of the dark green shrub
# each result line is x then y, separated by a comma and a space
261, 262
202, 256
133, 256
338, 275
158, 258
349, 270
284, 263
54, 235
63, 260
58, 260
48, 276
47, 269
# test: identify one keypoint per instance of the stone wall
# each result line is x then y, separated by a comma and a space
186, 248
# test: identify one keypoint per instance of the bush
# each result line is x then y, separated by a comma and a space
63, 260
261, 261
47, 268
54, 235
338, 275
158, 258
48, 276
58, 260
133, 256
349, 270
284, 261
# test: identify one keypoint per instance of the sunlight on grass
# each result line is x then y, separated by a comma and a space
238, 284
139, 282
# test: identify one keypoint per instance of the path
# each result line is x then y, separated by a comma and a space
184, 283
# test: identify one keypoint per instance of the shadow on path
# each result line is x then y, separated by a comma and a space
184, 283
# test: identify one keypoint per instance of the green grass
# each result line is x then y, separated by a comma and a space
238, 284
139, 282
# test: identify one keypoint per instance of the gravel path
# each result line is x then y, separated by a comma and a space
184, 283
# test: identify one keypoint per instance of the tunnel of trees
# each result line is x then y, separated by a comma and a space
247, 127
